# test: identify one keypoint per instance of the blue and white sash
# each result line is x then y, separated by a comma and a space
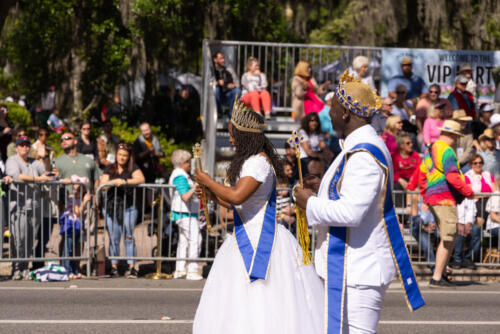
338, 241
257, 261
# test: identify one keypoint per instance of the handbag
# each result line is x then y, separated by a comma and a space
458, 196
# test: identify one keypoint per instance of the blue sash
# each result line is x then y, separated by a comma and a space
337, 248
257, 261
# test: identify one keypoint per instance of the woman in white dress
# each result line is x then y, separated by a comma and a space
271, 292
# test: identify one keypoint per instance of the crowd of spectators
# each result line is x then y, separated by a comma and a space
29, 212
414, 122
434, 142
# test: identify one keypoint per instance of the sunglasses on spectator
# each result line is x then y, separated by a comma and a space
67, 138
124, 146
408, 143
434, 92
401, 92
477, 163
24, 145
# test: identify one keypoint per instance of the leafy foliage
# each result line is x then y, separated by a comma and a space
129, 134
18, 115
50, 38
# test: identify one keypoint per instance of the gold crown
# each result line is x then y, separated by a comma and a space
361, 109
244, 119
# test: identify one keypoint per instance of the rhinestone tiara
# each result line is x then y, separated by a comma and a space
244, 119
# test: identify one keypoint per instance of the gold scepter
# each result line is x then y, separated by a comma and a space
197, 151
302, 225
159, 231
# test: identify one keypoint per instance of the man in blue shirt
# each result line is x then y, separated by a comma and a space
415, 84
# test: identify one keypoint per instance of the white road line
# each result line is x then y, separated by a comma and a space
452, 323
187, 322
100, 289
93, 321
452, 292
54, 288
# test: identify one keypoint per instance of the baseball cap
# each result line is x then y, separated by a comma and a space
488, 107
23, 139
462, 79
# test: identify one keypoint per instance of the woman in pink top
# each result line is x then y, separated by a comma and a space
305, 91
433, 123
393, 125
480, 181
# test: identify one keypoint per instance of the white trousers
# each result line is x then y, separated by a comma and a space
189, 244
362, 308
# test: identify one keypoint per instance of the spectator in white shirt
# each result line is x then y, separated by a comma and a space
468, 231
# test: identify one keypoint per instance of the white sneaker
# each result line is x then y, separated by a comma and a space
179, 274
17, 276
26, 275
194, 277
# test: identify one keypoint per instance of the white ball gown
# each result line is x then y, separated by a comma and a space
290, 300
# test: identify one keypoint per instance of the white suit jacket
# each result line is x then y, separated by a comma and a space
359, 208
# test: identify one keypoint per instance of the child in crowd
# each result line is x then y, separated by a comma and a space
466, 226
285, 210
72, 224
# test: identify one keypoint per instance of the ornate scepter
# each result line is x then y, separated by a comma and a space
302, 226
197, 151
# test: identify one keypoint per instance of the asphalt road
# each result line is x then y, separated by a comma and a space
145, 306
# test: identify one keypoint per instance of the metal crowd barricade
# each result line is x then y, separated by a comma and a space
146, 200
422, 242
44, 221
115, 204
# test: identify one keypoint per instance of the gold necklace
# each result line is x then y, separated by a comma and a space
72, 160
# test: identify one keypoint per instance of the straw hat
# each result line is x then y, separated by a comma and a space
487, 134
452, 127
460, 115
465, 67
406, 61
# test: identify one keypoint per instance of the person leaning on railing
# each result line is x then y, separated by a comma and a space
185, 207
24, 206
120, 210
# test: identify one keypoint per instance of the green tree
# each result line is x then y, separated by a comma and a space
79, 46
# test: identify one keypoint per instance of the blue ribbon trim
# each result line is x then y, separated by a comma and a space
257, 262
337, 244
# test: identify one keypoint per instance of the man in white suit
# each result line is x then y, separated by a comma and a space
358, 231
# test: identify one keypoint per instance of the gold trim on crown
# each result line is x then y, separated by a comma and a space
244, 119
350, 103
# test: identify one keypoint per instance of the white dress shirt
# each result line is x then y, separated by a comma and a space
466, 211
359, 208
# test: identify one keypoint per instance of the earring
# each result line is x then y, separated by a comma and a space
344, 116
